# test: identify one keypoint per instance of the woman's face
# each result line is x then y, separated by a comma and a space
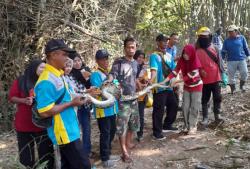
68, 68
185, 56
77, 63
140, 60
40, 69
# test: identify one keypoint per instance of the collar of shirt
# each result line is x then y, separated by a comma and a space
105, 71
53, 70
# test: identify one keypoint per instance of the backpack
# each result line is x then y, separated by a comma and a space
37, 120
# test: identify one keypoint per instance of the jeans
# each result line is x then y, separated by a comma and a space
26, 142
73, 157
191, 104
217, 98
233, 66
84, 120
107, 127
141, 106
161, 100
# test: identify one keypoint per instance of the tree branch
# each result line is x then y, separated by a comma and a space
81, 29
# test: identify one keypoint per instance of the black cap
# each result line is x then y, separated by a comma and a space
101, 54
161, 37
57, 44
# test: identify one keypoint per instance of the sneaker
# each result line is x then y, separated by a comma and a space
165, 130
114, 158
139, 138
192, 131
204, 122
218, 118
108, 164
160, 137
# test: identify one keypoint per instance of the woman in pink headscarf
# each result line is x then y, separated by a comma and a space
190, 67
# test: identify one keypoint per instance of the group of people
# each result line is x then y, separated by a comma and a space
58, 85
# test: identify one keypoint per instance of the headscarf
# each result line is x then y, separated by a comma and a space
193, 62
27, 81
76, 73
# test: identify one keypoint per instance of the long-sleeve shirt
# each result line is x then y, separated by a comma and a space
236, 49
192, 80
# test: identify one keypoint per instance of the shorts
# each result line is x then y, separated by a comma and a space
128, 118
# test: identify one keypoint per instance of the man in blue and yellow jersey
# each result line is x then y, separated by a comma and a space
161, 65
106, 118
50, 86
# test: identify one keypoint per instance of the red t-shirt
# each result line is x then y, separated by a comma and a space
23, 120
209, 66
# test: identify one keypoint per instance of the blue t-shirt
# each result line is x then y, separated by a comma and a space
96, 79
236, 49
172, 51
155, 63
49, 87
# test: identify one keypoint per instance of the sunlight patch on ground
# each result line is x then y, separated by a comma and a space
2, 146
148, 152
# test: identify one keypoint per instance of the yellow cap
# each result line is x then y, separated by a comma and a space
203, 31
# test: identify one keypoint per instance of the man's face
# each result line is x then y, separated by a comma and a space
103, 63
162, 45
130, 49
60, 58
232, 34
174, 39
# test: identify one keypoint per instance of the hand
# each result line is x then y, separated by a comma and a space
78, 101
28, 101
203, 73
174, 82
85, 74
93, 91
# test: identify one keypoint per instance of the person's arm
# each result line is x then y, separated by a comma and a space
224, 50
46, 97
113, 74
245, 47
153, 68
27, 100
56, 109
15, 95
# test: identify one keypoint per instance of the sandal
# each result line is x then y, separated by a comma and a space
126, 159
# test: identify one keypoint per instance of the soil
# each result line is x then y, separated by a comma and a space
225, 146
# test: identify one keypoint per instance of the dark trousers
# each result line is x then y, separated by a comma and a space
84, 120
161, 100
26, 142
208, 89
72, 156
107, 127
141, 107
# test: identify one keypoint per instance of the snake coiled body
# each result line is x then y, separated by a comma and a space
112, 92
109, 92
142, 92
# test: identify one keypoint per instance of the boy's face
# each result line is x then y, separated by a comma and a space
103, 63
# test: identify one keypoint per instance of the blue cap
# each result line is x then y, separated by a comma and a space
101, 54
57, 44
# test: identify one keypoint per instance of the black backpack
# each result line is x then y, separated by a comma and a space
37, 120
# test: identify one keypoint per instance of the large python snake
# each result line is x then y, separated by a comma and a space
112, 92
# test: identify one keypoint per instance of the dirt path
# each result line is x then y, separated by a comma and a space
227, 146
